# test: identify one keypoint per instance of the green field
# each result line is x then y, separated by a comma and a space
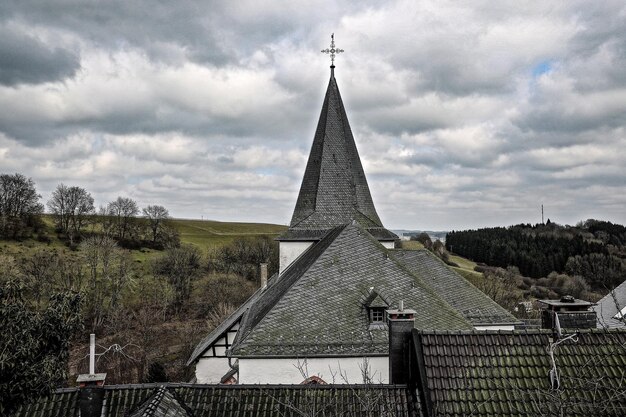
205, 234
209, 233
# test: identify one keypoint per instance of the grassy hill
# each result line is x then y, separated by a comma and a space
209, 233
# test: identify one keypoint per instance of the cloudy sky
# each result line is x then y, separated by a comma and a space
465, 114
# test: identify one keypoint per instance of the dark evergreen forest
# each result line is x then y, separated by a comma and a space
594, 249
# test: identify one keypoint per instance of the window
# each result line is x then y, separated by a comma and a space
377, 315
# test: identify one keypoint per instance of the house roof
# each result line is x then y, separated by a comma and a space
224, 326
183, 400
472, 303
162, 403
608, 307
315, 308
495, 373
334, 189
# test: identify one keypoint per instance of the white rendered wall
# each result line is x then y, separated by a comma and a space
211, 370
497, 327
285, 371
289, 251
388, 245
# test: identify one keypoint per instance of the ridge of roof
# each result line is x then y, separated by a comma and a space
268, 298
334, 188
205, 343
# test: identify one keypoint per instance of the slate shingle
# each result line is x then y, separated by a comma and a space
472, 303
334, 189
316, 306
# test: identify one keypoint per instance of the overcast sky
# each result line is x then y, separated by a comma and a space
465, 114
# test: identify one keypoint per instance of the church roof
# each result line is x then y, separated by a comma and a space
315, 307
334, 189
471, 302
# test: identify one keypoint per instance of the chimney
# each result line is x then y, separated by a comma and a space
90, 400
401, 323
263, 275
92, 379
567, 313
91, 396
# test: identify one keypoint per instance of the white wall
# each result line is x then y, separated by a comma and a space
289, 251
211, 370
388, 245
284, 371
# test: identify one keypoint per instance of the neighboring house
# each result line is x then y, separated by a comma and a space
511, 373
188, 400
435, 373
611, 310
325, 309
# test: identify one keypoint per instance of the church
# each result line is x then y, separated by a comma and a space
323, 317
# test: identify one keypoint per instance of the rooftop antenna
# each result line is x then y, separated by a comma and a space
542, 214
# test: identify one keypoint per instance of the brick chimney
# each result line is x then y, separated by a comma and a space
572, 313
263, 275
401, 323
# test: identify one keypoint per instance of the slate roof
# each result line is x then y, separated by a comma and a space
487, 373
471, 302
607, 308
334, 189
315, 307
220, 330
183, 400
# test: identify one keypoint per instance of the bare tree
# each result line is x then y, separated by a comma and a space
156, 215
123, 210
19, 205
109, 273
72, 207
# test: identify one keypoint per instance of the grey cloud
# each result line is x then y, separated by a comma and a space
24, 59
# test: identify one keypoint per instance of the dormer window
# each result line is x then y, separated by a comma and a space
375, 306
377, 315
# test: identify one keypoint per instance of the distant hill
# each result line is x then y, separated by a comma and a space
434, 235
593, 249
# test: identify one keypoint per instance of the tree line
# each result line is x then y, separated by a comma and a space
593, 250
73, 210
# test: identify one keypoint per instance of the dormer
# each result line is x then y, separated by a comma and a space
375, 306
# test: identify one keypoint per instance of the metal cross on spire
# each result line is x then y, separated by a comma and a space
332, 51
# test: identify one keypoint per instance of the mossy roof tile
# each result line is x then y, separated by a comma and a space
506, 373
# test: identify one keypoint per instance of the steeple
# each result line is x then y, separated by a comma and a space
334, 189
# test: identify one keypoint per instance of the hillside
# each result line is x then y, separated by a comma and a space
543, 261
147, 306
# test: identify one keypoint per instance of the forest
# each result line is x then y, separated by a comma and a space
593, 250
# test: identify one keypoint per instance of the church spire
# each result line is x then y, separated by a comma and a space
334, 189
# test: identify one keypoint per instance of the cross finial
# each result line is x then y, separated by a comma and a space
332, 51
